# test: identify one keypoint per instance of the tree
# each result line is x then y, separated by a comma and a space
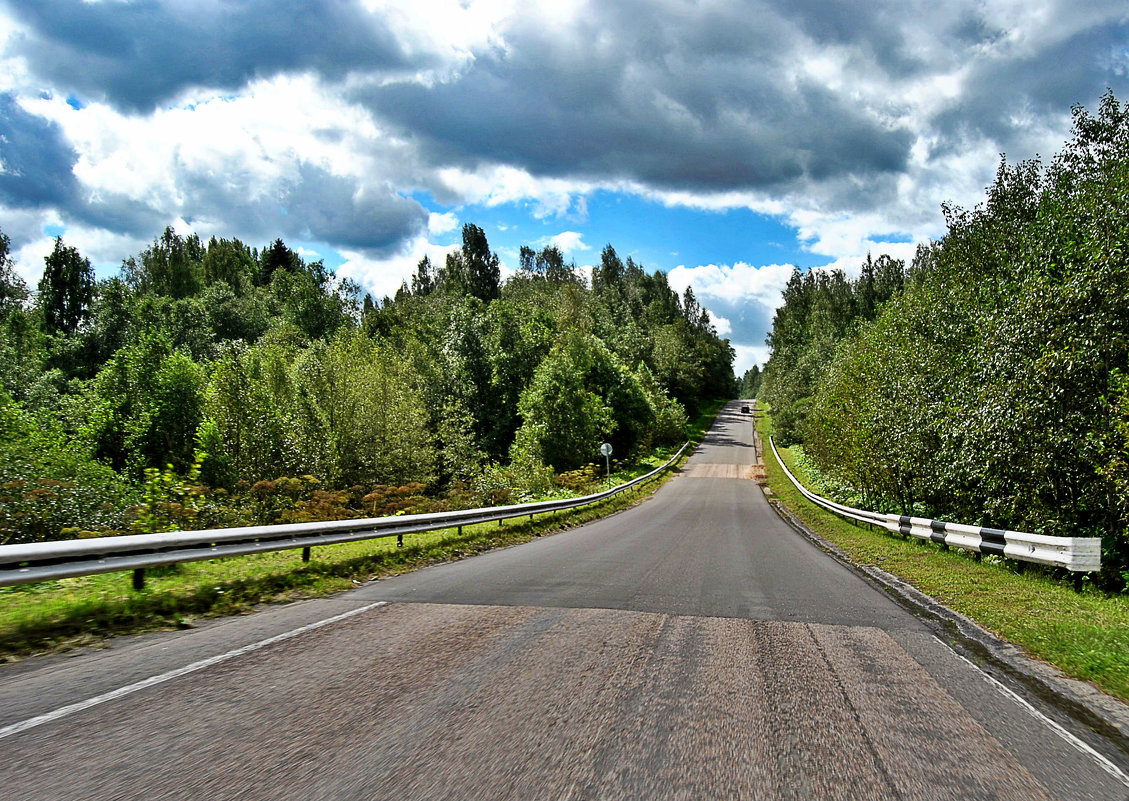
473, 269
66, 289
111, 318
547, 264
360, 399
246, 403
424, 279
481, 264
581, 395
991, 388
171, 266
277, 257
229, 261
670, 418
610, 271
146, 406
750, 382
13, 289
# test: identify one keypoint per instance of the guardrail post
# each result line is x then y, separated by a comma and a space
139, 578
399, 540
306, 554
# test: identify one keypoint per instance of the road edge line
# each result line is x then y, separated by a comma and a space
1049, 722
1041, 680
152, 681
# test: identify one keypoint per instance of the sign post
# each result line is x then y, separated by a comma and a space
606, 449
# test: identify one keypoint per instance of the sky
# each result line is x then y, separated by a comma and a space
724, 143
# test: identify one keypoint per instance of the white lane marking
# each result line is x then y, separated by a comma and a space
1108, 766
70, 709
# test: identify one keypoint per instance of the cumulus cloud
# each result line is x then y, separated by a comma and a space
139, 56
739, 283
569, 242
745, 356
36, 161
650, 94
441, 223
850, 123
246, 166
741, 300
382, 276
722, 325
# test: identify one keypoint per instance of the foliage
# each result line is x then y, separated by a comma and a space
750, 384
580, 396
66, 289
13, 289
208, 373
991, 389
821, 308
144, 407
49, 489
169, 502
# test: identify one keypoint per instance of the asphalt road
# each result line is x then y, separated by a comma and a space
691, 647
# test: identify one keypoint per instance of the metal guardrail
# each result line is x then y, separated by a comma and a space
44, 561
1077, 554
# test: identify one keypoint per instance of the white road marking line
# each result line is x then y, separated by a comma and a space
152, 681
1105, 764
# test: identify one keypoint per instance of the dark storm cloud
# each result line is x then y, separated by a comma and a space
328, 208
38, 172
803, 102
1039, 86
37, 160
141, 54
668, 101
314, 205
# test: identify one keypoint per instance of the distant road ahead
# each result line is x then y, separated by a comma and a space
691, 647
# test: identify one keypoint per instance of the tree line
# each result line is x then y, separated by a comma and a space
988, 383
215, 383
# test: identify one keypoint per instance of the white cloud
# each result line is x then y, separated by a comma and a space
383, 276
569, 242
496, 185
748, 355
29, 259
739, 282
852, 264
442, 223
721, 324
913, 97
232, 164
451, 29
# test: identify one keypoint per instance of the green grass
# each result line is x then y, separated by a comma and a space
82, 611
1084, 634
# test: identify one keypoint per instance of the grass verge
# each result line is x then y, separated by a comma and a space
1084, 634
83, 611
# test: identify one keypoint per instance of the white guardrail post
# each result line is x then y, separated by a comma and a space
44, 561
1076, 554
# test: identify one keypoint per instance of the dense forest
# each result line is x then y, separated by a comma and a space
988, 383
218, 384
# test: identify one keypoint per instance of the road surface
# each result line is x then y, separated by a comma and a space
691, 647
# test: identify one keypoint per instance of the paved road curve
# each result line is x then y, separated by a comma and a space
691, 647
